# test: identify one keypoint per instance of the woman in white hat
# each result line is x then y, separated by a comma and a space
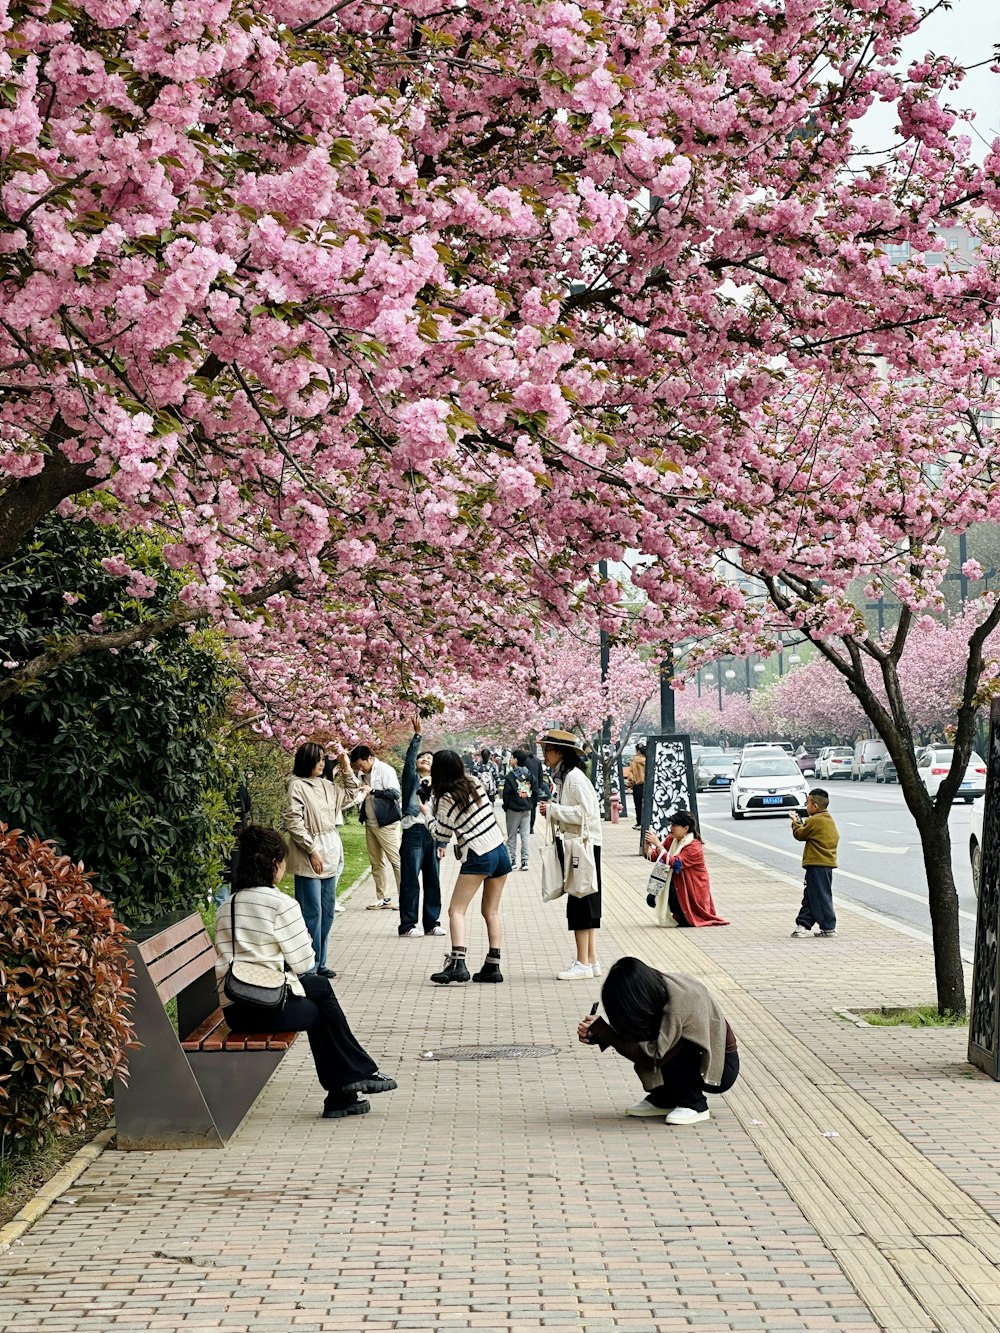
576, 806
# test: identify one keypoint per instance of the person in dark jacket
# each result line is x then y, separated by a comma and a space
520, 795
418, 858
675, 1034
534, 766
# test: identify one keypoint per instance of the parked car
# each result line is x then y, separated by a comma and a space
767, 783
885, 770
934, 763
806, 762
714, 770
866, 755
976, 843
835, 761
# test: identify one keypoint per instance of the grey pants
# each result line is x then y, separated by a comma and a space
518, 821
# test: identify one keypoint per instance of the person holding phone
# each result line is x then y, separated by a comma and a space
819, 861
672, 1029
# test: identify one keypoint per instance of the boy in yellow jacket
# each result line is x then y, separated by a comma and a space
819, 860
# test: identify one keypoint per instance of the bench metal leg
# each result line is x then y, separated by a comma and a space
231, 1082
162, 1105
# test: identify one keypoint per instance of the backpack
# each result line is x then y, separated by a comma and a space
522, 781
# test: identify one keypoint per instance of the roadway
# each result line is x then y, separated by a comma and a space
880, 865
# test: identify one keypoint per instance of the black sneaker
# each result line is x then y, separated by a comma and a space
454, 970
326, 972
377, 1083
337, 1105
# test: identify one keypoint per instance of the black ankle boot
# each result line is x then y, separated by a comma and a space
454, 970
490, 971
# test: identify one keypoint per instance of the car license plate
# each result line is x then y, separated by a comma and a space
773, 800
966, 784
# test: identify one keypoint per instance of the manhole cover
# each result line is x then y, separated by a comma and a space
490, 1052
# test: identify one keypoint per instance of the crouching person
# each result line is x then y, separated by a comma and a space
674, 1033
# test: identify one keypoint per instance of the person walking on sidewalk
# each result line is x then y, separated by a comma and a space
687, 898
381, 814
635, 776
519, 798
314, 806
418, 858
534, 766
576, 809
463, 810
260, 924
675, 1034
819, 860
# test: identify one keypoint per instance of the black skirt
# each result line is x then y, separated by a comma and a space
585, 913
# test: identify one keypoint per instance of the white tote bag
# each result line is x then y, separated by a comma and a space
581, 866
552, 871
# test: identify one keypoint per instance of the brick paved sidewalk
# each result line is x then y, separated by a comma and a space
515, 1195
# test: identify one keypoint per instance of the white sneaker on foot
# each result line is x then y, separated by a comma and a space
645, 1108
687, 1115
577, 971
825, 934
435, 930
800, 933
411, 934
596, 968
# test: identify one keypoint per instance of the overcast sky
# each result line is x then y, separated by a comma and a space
967, 32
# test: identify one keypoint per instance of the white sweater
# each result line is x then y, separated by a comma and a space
269, 930
578, 805
475, 829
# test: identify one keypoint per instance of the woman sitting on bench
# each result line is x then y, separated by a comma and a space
270, 930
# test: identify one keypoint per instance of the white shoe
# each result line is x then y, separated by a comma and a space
576, 972
686, 1115
800, 933
645, 1108
437, 930
412, 934
596, 968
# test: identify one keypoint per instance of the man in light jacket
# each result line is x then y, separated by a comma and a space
382, 839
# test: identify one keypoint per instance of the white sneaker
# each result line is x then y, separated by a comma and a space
412, 934
645, 1108
686, 1115
576, 972
800, 933
596, 968
437, 930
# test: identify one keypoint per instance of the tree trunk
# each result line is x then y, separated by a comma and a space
942, 899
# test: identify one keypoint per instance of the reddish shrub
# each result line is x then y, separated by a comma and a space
64, 982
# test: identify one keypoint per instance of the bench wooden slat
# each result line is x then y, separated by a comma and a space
201, 947
170, 938
176, 982
195, 1040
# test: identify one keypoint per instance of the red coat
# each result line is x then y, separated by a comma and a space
694, 893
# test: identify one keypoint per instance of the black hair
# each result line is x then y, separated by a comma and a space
634, 996
568, 757
449, 778
359, 752
260, 850
640, 747
821, 797
306, 758
686, 818
484, 754
519, 758
429, 754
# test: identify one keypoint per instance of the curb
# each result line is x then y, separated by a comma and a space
50, 1191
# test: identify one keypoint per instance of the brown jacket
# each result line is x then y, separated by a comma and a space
312, 808
819, 833
636, 771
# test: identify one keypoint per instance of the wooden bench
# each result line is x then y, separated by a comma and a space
191, 1092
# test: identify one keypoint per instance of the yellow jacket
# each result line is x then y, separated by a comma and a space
819, 833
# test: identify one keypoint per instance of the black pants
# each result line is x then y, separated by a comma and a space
637, 790
418, 857
337, 1054
682, 1081
817, 900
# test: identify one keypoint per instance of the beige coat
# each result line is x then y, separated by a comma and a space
636, 771
313, 808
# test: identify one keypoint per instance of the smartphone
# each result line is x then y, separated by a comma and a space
594, 1008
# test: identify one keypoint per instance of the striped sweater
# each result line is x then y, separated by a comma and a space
475, 829
269, 930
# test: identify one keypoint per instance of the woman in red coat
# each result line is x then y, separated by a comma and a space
687, 898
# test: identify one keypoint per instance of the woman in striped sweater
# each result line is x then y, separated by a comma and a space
464, 811
260, 924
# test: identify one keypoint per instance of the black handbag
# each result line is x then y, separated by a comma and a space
253, 983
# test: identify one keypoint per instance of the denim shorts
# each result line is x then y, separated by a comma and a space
491, 865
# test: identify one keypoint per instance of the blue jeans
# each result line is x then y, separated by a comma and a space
418, 858
318, 900
817, 900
